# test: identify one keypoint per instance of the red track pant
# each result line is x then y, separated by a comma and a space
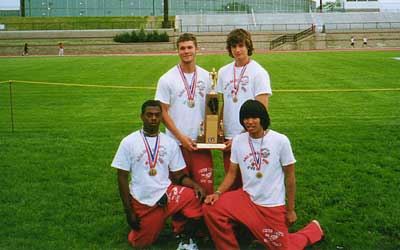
200, 165
180, 199
267, 224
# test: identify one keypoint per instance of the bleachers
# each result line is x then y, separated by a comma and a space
287, 21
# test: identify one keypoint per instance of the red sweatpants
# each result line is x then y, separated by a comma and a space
227, 163
200, 165
152, 219
267, 224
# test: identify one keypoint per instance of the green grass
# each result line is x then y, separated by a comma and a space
59, 191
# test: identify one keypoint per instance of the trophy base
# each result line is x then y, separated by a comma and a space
210, 145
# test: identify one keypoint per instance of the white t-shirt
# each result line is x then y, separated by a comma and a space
269, 190
171, 90
131, 156
255, 81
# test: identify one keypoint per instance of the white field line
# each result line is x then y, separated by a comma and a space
153, 88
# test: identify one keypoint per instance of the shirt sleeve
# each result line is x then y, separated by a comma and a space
220, 87
177, 162
121, 158
263, 83
163, 92
286, 153
234, 151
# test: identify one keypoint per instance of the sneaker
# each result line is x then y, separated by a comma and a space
182, 246
191, 246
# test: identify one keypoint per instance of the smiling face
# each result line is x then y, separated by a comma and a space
187, 52
253, 126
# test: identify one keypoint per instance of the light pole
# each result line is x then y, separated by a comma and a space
154, 13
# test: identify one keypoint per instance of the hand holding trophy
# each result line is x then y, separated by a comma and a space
211, 134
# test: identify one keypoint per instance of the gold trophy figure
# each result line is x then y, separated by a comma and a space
211, 134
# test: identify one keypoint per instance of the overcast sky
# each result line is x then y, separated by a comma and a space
5, 4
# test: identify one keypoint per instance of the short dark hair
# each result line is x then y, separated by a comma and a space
186, 37
254, 109
238, 36
150, 103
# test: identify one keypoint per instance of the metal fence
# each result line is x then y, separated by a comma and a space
84, 25
362, 25
249, 27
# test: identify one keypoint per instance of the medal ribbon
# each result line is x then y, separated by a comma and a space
257, 159
236, 87
190, 90
152, 155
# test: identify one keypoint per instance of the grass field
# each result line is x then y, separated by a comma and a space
58, 191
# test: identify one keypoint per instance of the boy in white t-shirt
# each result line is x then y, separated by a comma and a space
148, 157
266, 163
239, 81
182, 92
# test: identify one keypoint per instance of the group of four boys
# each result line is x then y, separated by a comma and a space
259, 188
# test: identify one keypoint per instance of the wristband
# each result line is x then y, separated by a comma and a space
218, 192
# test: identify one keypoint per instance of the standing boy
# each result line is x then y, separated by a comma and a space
241, 80
182, 91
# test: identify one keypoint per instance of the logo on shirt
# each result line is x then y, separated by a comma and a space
162, 153
250, 162
229, 88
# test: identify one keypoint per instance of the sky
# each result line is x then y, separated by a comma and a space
9, 4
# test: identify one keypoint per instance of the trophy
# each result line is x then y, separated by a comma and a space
211, 131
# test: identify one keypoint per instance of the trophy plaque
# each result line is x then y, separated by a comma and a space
211, 132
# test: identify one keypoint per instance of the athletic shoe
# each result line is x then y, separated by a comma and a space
182, 246
191, 246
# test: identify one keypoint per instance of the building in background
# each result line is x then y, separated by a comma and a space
155, 7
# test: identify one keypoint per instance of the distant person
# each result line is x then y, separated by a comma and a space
239, 81
25, 52
60, 49
365, 42
266, 203
147, 157
352, 41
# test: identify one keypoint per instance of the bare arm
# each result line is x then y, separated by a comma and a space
186, 141
182, 179
123, 184
263, 98
290, 182
225, 185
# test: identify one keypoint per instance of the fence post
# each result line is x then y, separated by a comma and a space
11, 107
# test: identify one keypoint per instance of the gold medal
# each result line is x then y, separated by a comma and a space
191, 103
259, 175
153, 172
235, 99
